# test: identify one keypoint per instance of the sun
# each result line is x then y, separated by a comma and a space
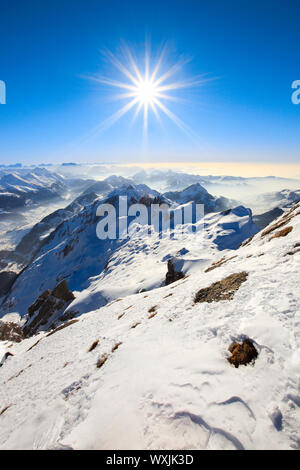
146, 90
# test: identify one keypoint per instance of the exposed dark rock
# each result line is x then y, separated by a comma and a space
39, 302
115, 346
34, 345
294, 250
61, 291
93, 345
152, 309
4, 409
101, 361
242, 354
44, 313
10, 331
168, 295
152, 315
173, 275
68, 315
221, 290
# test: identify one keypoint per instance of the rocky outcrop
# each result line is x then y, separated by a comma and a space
221, 290
48, 309
61, 291
10, 331
174, 273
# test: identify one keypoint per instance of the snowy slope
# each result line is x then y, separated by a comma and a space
140, 263
73, 252
168, 385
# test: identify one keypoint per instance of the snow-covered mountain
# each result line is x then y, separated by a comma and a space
161, 310
196, 193
70, 388
170, 180
178, 180
18, 189
105, 186
65, 246
278, 201
282, 199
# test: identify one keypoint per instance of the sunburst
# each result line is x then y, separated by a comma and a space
147, 91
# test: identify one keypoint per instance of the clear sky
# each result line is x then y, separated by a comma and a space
250, 51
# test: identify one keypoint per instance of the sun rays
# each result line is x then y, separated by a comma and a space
146, 88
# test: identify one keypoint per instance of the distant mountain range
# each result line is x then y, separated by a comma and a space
20, 190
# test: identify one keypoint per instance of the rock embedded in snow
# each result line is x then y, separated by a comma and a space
221, 290
93, 345
61, 291
242, 354
101, 361
48, 309
282, 233
10, 331
174, 272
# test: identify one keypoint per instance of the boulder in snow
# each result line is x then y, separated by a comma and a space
174, 272
242, 354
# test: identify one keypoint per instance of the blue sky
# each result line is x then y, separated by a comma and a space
250, 50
